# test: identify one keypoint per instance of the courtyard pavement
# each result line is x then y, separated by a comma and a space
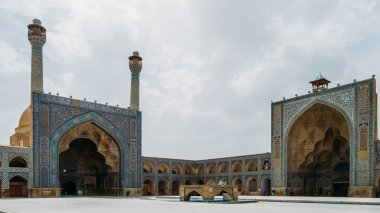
169, 204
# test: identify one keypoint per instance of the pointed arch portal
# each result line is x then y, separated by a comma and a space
89, 162
109, 142
318, 153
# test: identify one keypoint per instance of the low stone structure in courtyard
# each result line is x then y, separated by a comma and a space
208, 192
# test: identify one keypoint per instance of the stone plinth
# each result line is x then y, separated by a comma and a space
361, 192
133, 192
45, 192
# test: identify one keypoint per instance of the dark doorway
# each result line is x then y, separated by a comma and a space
163, 187
175, 187
83, 171
340, 189
266, 187
340, 186
69, 188
148, 187
18, 187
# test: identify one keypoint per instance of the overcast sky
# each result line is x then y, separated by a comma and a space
210, 68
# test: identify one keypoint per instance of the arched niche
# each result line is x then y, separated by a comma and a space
148, 167
18, 162
163, 168
236, 167
318, 143
104, 142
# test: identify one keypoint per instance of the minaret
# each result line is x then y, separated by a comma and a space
135, 66
37, 38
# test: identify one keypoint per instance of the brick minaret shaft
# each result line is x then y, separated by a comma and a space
135, 65
37, 38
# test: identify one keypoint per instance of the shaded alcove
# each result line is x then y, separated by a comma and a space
69, 188
84, 171
318, 153
148, 187
251, 184
266, 186
18, 187
148, 167
163, 187
175, 187
18, 162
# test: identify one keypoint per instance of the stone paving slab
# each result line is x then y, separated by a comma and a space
326, 200
295, 199
158, 205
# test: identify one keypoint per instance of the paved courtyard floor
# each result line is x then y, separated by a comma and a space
151, 204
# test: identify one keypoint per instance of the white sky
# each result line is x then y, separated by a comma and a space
210, 70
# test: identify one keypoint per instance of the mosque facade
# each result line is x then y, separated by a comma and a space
323, 143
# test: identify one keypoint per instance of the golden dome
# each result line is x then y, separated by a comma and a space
25, 118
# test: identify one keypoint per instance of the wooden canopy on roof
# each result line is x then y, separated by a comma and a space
320, 83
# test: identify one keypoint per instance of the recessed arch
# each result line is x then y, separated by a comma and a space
236, 167
251, 166
251, 184
223, 168
237, 182
266, 186
18, 186
211, 169
105, 143
177, 169
266, 165
190, 170
163, 168
163, 187
148, 189
222, 192
148, 167
192, 193
104, 124
311, 104
318, 142
199, 170
85, 169
175, 187
22, 175
18, 162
